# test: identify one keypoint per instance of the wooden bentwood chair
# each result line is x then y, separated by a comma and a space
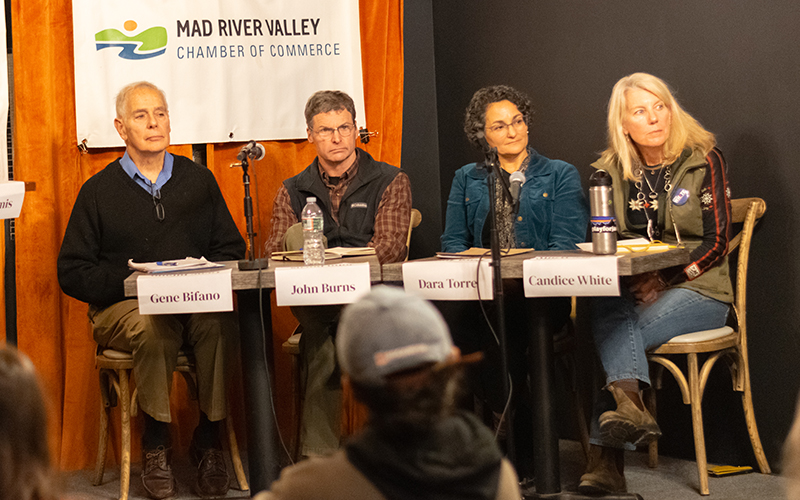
727, 343
115, 370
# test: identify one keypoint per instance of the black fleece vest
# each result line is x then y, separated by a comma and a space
358, 206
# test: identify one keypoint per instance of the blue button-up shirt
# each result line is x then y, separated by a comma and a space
133, 172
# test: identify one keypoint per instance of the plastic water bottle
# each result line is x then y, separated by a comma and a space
313, 249
604, 222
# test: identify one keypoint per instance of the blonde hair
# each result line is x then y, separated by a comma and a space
685, 131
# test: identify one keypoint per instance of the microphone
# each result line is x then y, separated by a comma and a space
516, 180
252, 150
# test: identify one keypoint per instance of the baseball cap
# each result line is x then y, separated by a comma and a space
388, 331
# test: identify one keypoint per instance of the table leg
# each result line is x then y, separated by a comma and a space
547, 476
547, 480
262, 450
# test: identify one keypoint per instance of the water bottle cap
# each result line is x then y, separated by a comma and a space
600, 178
311, 199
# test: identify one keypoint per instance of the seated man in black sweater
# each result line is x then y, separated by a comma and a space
150, 206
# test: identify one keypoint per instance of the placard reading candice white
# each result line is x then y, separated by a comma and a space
321, 285
185, 293
570, 276
449, 279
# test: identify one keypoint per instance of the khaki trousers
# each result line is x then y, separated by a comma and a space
154, 342
320, 425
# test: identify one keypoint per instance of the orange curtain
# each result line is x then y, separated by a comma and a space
53, 328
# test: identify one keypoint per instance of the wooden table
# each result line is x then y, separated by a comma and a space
256, 352
547, 476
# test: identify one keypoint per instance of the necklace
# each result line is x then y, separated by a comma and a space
641, 199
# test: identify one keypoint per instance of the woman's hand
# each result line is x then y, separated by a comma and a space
646, 287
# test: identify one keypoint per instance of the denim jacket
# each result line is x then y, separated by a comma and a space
553, 214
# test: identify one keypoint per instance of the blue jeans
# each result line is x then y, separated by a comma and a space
623, 332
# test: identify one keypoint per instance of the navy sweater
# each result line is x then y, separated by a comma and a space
114, 220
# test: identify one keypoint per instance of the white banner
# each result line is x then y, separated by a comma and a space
232, 71
570, 276
321, 285
455, 279
185, 293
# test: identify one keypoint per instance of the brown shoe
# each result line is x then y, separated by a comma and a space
627, 424
157, 475
212, 472
605, 472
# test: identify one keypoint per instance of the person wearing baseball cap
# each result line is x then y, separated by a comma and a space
396, 353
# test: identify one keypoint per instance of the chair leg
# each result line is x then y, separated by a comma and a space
697, 423
580, 414
125, 414
102, 444
233, 446
752, 429
652, 448
297, 405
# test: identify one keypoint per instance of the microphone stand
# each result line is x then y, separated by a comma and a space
251, 263
492, 165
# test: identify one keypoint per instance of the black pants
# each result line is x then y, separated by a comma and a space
471, 333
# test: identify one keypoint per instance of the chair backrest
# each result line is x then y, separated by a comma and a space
416, 218
747, 211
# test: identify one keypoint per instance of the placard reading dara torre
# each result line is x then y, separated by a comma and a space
233, 71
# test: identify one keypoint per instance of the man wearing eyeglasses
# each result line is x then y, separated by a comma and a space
151, 206
364, 203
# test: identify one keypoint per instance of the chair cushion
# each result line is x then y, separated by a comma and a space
114, 354
701, 336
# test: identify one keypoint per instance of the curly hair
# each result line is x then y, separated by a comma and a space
475, 117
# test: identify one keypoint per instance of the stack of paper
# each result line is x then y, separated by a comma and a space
330, 253
173, 266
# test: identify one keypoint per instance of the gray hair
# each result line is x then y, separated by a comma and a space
125, 93
325, 101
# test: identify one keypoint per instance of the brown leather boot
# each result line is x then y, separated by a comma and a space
605, 473
157, 477
627, 424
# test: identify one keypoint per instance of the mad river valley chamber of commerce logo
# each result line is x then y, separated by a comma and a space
151, 42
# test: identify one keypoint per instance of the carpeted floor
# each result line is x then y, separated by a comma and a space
673, 480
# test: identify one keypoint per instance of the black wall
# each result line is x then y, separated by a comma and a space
734, 65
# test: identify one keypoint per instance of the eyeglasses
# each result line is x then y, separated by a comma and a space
344, 131
159, 208
501, 129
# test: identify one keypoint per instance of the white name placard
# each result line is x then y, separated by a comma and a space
12, 193
570, 276
321, 285
185, 293
456, 279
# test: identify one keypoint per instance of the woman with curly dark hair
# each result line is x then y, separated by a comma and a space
552, 209
552, 215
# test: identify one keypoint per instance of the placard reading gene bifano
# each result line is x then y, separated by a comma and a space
185, 293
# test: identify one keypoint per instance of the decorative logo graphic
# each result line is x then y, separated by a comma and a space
149, 43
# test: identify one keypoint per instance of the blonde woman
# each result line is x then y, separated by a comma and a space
670, 184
